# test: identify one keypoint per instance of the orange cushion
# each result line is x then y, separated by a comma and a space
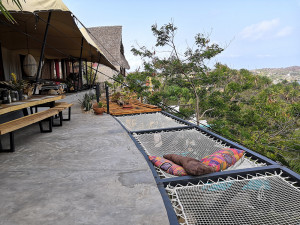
223, 159
168, 166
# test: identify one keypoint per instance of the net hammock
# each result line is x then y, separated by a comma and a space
260, 199
148, 121
186, 142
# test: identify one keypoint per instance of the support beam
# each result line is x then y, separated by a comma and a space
107, 98
63, 69
2, 77
73, 66
80, 64
98, 92
86, 73
42, 52
96, 72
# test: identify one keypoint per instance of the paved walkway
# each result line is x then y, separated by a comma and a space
86, 172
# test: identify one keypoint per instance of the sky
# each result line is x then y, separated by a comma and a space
255, 33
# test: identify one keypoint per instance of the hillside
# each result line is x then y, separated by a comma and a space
291, 73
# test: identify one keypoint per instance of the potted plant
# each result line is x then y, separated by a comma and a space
98, 108
18, 85
115, 97
126, 100
86, 103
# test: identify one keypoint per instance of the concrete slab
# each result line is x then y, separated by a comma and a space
86, 172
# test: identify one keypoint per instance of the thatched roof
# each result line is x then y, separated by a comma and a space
109, 40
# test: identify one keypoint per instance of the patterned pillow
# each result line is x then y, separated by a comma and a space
223, 159
168, 166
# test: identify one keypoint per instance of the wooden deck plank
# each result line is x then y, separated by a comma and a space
137, 108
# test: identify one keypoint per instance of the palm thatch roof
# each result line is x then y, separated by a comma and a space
109, 40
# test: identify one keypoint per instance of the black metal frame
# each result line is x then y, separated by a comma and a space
181, 121
107, 98
69, 115
42, 51
162, 183
50, 122
234, 173
12, 135
11, 143
60, 117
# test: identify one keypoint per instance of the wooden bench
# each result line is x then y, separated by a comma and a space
11, 126
60, 106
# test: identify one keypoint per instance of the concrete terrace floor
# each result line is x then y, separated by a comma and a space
86, 172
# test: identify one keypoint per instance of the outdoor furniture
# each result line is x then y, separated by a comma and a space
13, 125
62, 106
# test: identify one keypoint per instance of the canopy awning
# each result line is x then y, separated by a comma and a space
64, 37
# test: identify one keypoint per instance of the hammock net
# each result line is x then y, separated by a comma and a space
260, 199
148, 121
186, 142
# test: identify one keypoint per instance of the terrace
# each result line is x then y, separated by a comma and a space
95, 170
86, 172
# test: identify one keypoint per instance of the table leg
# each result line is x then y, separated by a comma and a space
25, 112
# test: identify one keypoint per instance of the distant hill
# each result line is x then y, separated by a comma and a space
291, 73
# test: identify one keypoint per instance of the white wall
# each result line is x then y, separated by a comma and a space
11, 64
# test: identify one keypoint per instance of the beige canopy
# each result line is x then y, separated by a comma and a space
64, 37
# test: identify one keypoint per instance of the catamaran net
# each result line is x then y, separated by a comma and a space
148, 121
186, 142
260, 199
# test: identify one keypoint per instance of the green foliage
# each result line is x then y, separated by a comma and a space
86, 102
100, 105
238, 104
261, 115
183, 74
90, 74
6, 14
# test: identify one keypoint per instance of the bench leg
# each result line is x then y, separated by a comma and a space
11, 143
60, 116
69, 115
25, 112
50, 121
31, 109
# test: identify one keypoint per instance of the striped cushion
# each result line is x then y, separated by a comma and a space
223, 159
168, 166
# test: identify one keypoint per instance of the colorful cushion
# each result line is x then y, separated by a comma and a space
168, 166
191, 166
223, 159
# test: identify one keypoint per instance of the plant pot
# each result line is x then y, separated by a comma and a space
20, 92
99, 111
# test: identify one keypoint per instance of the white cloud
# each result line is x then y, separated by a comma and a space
284, 31
259, 30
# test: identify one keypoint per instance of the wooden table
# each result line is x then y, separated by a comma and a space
35, 100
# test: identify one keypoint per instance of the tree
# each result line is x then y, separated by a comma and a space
4, 11
188, 70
